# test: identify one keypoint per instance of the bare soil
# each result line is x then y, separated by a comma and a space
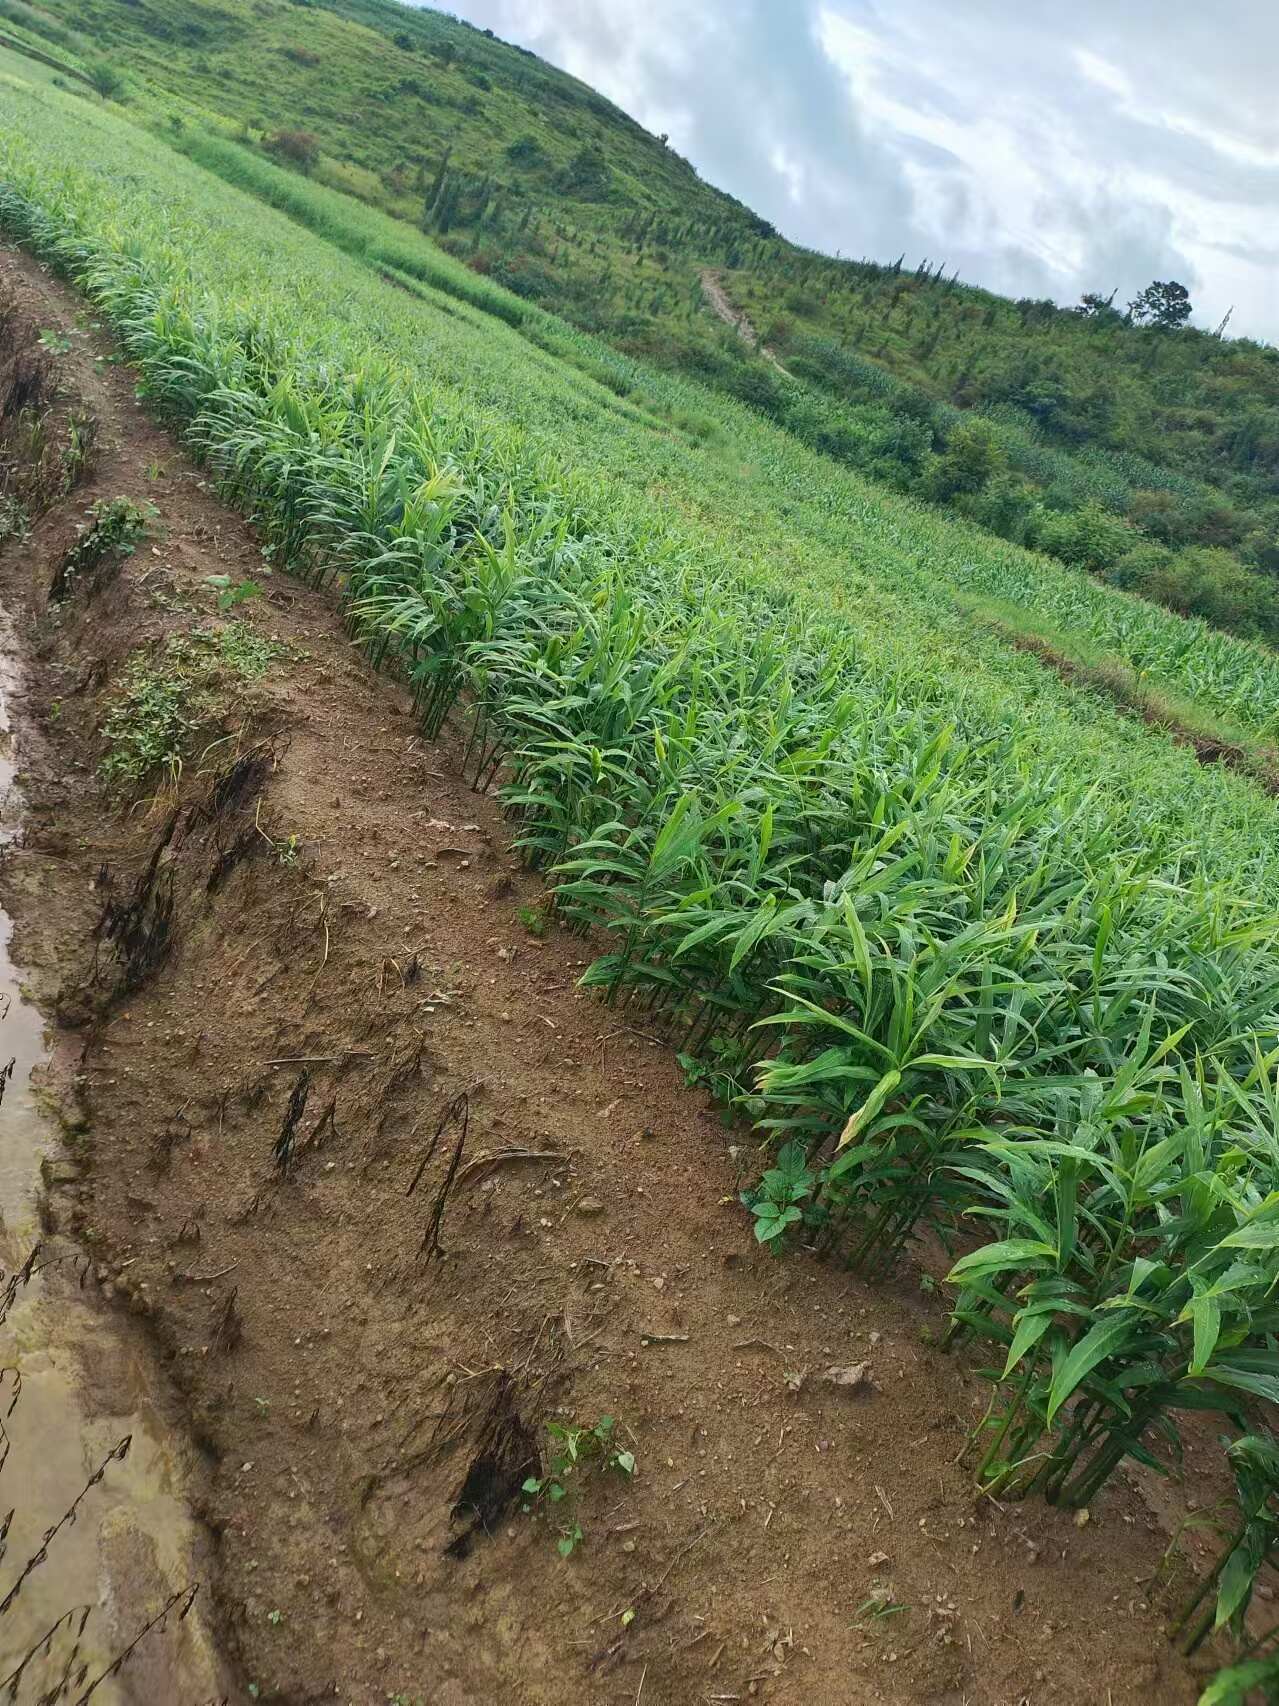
318, 905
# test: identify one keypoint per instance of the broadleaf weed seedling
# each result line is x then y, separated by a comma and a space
573, 1450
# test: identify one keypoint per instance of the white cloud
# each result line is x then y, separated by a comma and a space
1044, 150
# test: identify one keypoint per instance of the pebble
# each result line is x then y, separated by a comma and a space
590, 1206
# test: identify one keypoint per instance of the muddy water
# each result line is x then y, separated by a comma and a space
78, 1381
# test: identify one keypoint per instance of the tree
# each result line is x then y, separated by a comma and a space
106, 79
431, 200
525, 151
1164, 304
1094, 306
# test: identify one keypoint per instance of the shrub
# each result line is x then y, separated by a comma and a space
1160, 515
298, 147
1140, 568
973, 454
1208, 582
586, 176
525, 151
1089, 538
1005, 506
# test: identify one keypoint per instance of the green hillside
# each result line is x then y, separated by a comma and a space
1146, 454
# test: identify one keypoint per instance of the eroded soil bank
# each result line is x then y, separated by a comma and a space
286, 981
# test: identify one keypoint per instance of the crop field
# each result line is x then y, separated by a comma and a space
979, 956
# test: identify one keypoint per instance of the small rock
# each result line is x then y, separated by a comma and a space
854, 1378
59, 1172
734, 1320
876, 1559
1083, 1518
589, 1206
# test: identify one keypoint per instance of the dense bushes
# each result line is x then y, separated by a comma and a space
1169, 543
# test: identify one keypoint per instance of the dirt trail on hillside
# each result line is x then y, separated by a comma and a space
288, 986
713, 291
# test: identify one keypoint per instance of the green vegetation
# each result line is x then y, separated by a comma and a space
1125, 443
978, 954
115, 528
166, 698
574, 1450
778, 1201
1254, 1459
533, 918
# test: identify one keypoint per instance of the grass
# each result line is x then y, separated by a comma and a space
982, 956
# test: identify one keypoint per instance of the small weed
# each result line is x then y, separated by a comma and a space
533, 919
285, 850
14, 520
77, 453
775, 1201
877, 1609
249, 654
148, 726
573, 1449
232, 593
55, 343
715, 1069
112, 535
275, 1618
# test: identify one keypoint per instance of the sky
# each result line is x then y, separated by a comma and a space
1043, 149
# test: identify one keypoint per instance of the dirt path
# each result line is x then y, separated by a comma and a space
713, 291
320, 913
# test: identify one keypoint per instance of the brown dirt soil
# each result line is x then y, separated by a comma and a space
343, 1386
